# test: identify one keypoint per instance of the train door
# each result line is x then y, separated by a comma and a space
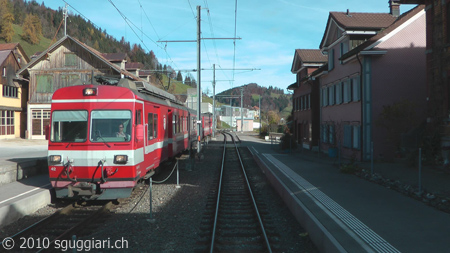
152, 149
138, 145
170, 129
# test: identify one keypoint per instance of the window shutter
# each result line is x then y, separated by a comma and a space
347, 136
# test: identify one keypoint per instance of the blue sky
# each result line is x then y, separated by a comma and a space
270, 31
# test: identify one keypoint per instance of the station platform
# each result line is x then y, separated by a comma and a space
344, 213
24, 184
23, 197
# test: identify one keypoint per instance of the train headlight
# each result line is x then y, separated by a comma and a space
90, 92
54, 159
120, 159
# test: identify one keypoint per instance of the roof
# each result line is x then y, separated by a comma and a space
361, 21
3, 55
401, 20
311, 56
14, 46
292, 86
307, 58
81, 44
115, 56
133, 65
8, 46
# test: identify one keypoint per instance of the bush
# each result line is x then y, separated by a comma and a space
287, 142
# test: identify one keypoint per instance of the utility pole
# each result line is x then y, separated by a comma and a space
214, 101
199, 91
260, 115
65, 13
242, 109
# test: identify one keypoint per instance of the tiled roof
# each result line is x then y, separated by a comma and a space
401, 19
8, 46
115, 56
3, 55
359, 20
311, 55
133, 65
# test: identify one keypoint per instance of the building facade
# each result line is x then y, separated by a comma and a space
375, 60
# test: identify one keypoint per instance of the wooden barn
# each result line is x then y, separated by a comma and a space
67, 62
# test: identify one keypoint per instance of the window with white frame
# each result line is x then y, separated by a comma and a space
4, 72
7, 122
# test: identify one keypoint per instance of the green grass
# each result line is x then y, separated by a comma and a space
29, 49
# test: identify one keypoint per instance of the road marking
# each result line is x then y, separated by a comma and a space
35, 189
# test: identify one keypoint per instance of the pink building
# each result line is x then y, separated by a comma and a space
374, 60
306, 98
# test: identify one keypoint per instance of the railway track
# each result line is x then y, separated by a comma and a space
233, 221
76, 219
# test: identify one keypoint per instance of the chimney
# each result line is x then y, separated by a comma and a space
394, 7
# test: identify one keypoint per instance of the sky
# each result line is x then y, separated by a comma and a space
269, 31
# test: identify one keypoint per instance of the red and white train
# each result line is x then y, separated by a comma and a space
103, 139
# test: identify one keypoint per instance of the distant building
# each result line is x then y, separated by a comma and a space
306, 105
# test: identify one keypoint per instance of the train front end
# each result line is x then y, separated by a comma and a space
92, 152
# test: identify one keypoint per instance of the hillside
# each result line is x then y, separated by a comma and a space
30, 49
272, 99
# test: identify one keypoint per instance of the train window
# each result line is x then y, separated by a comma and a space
69, 126
150, 126
138, 117
110, 126
155, 125
174, 124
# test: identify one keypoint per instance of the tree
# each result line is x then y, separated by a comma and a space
179, 77
6, 21
32, 29
6, 27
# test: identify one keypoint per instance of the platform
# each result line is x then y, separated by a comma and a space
344, 213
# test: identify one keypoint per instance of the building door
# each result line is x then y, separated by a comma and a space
39, 119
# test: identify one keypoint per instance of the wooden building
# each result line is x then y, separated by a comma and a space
67, 62
14, 91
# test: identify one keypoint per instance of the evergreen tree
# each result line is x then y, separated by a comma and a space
179, 77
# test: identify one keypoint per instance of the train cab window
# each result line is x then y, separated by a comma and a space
69, 126
110, 126
138, 117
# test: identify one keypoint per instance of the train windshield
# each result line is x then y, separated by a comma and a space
69, 126
110, 126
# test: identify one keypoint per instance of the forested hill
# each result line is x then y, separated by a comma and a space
272, 98
37, 22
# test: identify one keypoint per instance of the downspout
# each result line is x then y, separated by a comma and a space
362, 107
